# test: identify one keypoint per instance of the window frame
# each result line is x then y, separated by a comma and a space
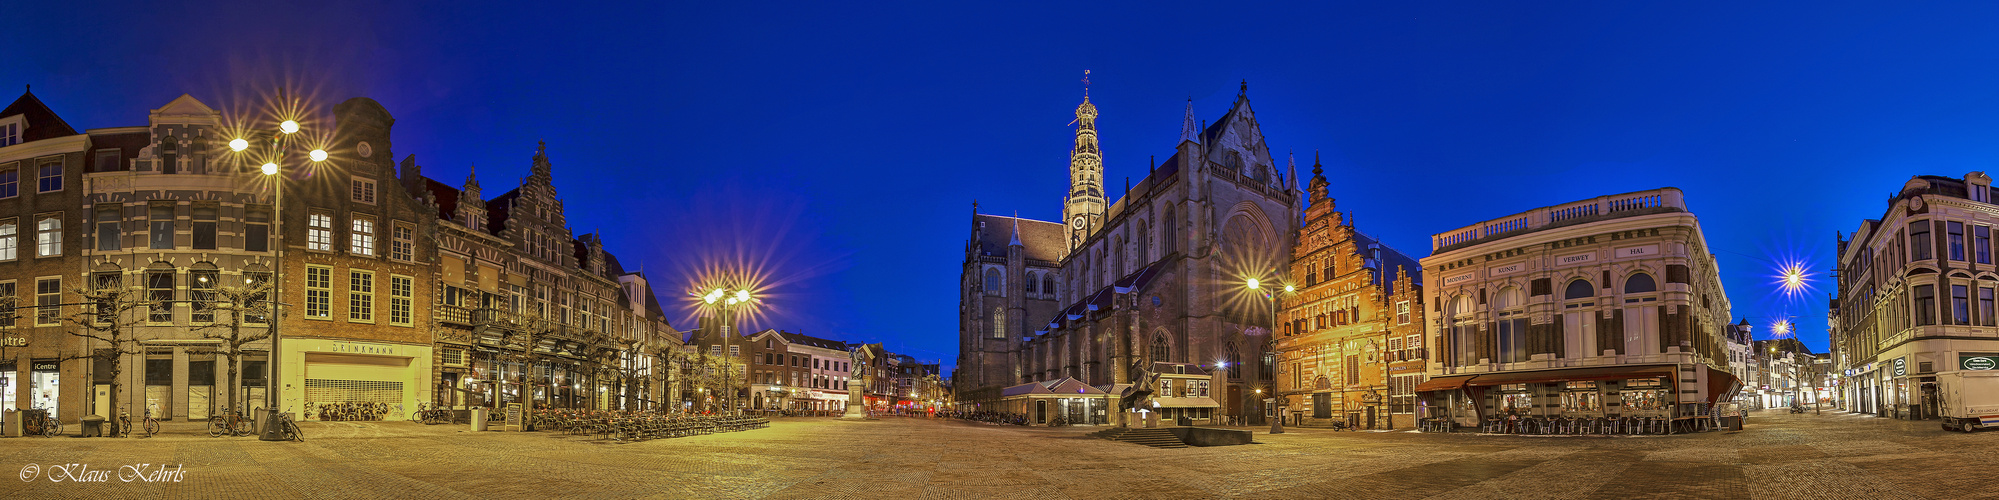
361, 231
211, 226
402, 300
10, 179
46, 183
44, 248
52, 310
360, 296
318, 292
161, 232
402, 239
10, 239
318, 231
360, 186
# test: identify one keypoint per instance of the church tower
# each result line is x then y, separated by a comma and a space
1084, 206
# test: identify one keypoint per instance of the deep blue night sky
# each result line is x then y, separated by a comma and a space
840, 148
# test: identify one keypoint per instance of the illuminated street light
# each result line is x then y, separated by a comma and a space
1255, 283
239, 145
289, 127
270, 169
318, 155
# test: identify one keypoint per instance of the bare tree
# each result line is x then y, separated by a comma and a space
104, 323
247, 304
522, 344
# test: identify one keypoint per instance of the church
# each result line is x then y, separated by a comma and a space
1158, 276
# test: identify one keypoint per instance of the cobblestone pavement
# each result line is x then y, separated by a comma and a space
1833, 455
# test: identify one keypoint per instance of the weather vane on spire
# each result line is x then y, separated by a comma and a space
1086, 84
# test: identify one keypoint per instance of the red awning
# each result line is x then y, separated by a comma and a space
1444, 383
1573, 374
1719, 382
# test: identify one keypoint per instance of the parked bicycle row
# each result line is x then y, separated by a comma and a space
1566, 425
334, 412
995, 417
639, 425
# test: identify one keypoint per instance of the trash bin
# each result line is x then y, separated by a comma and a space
478, 419
93, 426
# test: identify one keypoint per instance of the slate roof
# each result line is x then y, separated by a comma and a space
1390, 259
447, 197
803, 339
1041, 240
42, 122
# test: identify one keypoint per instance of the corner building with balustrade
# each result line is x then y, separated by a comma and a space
1605, 307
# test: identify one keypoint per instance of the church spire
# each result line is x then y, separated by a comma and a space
1016, 230
1084, 208
1318, 185
1187, 129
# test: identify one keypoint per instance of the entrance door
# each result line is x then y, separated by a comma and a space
44, 389
1041, 411
1235, 396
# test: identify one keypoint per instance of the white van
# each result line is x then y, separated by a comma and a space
1968, 399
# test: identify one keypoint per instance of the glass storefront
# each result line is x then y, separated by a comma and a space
1581, 399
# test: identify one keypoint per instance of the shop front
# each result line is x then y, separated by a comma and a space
1644, 391
325, 372
1062, 401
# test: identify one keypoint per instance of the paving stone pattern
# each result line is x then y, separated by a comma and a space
1779, 456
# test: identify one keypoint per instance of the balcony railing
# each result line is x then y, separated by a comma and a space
1546, 216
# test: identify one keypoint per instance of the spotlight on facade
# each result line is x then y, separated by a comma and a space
239, 145
288, 127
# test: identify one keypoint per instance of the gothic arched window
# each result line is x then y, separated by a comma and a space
1234, 360
999, 323
993, 281
1168, 228
1027, 284
1048, 284
1141, 247
1159, 349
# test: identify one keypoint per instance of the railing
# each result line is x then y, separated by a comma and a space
1545, 216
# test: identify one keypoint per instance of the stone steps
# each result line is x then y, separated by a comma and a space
1156, 438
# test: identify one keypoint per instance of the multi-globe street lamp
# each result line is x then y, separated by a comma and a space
273, 385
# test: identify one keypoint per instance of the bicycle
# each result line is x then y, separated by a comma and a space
38, 422
231, 422
289, 429
150, 425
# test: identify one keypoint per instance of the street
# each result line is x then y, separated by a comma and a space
1834, 455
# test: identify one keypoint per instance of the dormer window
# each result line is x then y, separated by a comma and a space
10, 130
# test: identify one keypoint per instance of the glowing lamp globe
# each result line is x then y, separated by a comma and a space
1254, 283
288, 127
270, 169
239, 145
318, 155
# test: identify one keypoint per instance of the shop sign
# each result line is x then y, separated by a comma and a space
1638, 251
45, 366
1454, 280
1901, 366
14, 341
1970, 362
1581, 258
1508, 269
353, 348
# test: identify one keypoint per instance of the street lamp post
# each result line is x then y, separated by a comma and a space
273, 385
723, 304
1270, 297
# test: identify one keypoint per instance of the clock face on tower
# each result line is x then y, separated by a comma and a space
1078, 223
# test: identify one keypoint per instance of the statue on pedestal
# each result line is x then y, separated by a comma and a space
862, 357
